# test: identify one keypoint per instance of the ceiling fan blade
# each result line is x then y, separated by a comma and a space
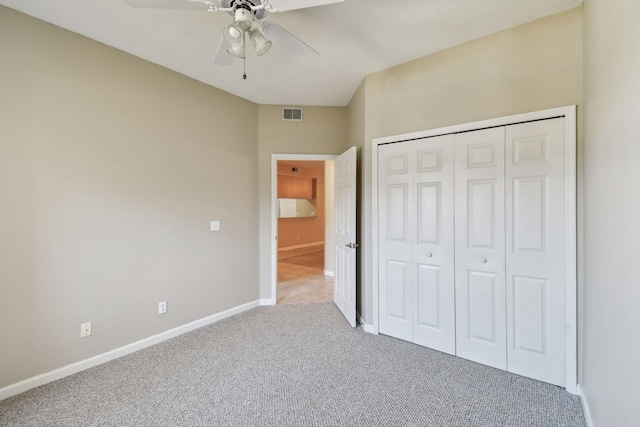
222, 56
284, 5
205, 6
284, 38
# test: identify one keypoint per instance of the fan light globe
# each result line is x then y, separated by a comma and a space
233, 35
237, 51
259, 42
234, 32
235, 38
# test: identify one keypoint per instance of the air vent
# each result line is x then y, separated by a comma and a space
292, 114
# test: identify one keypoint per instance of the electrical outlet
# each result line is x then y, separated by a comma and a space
162, 307
85, 329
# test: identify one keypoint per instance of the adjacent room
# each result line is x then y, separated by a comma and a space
322, 212
305, 272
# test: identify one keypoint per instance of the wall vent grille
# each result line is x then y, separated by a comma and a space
292, 114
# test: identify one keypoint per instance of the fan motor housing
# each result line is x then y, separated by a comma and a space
237, 5
243, 15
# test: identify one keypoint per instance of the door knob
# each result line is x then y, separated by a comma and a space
429, 254
351, 245
483, 260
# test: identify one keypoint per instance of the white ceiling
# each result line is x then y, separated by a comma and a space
355, 38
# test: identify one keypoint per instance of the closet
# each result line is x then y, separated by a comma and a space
471, 245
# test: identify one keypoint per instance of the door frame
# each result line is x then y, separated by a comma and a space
570, 155
273, 248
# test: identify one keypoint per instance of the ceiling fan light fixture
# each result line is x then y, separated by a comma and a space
233, 34
237, 51
234, 37
259, 42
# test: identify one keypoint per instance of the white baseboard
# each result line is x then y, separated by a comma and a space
365, 326
369, 328
585, 406
305, 245
328, 273
65, 371
268, 301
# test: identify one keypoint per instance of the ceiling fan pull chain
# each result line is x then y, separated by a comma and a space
244, 68
244, 58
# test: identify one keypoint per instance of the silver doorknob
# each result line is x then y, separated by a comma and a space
351, 245
483, 260
429, 254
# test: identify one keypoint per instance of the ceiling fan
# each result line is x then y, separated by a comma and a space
247, 23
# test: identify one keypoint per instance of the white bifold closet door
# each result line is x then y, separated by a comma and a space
416, 241
535, 250
472, 245
481, 330
510, 265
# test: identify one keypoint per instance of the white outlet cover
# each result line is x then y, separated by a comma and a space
215, 225
85, 329
162, 307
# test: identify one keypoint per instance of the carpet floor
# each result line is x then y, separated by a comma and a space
291, 365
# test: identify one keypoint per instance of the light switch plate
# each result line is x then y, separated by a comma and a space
215, 225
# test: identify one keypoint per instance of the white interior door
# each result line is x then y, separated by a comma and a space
479, 248
344, 289
535, 257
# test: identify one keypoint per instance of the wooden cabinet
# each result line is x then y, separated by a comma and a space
296, 187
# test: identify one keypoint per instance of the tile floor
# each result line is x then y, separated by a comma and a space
300, 284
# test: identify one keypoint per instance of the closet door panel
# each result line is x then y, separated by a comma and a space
535, 269
479, 247
416, 244
429, 215
398, 288
482, 310
429, 290
433, 244
481, 213
395, 243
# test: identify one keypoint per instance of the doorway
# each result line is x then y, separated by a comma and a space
301, 212
302, 216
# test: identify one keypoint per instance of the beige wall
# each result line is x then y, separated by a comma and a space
528, 68
612, 210
302, 231
110, 170
323, 131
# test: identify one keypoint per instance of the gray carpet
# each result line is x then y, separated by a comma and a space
296, 365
